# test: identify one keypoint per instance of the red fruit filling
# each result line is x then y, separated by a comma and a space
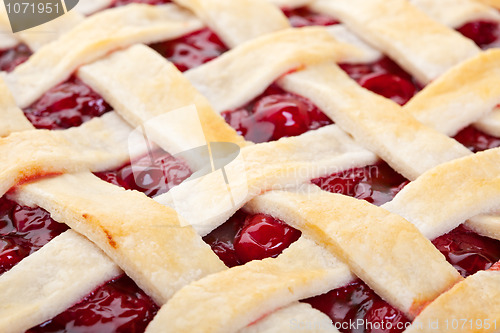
467, 251
484, 33
152, 174
23, 230
191, 50
385, 78
118, 306
250, 237
119, 3
275, 114
356, 308
68, 104
376, 184
303, 17
476, 140
11, 58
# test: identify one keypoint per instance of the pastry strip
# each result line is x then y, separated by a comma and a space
461, 96
92, 39
245, 293
370, 240
376, 122
37, 288
135, 92
492, 3
274, 165
143, 237
399, 29
469, 186
455, 13
92, 146
238, 21
239, 75
12, 118
472, 305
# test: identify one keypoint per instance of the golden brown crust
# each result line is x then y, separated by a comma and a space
469, 186
376, 122
472, 305
242, 20
36, 153
50, 280
383, 249
244, 72
93, 38
246, 293
399, 29
143, 237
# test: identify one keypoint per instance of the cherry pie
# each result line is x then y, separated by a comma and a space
252, 166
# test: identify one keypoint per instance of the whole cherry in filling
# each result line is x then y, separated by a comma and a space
302, 17
191, 50
23, 230
275, 114
13, 57
66, 105
153, 174
484, 33
117, 306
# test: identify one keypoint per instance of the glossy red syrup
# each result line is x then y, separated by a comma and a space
376, 184
467, 251
191, 50
23, 230
68, 104
117, 306
152, 174
13, 57
303, 17
476, 140
275, 114
385, 78
484, 33
250, 237
356, 308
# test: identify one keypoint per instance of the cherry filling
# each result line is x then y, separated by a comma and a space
302, 17
476, 140
275, 114
385, 78
250, 237
467, 251
13, 57
23, 231
117, 306
191, 50
484, 33
153, 174
356, 308
376, 184
68, 104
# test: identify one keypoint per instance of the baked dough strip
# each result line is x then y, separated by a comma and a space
492, 3
12, 118
143, 237
242, 73
242, 20
376, 122
36, 289
391, 26
469, 186
461, 96
357, 232
448, 314
34, 153
244, 294
92, 39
